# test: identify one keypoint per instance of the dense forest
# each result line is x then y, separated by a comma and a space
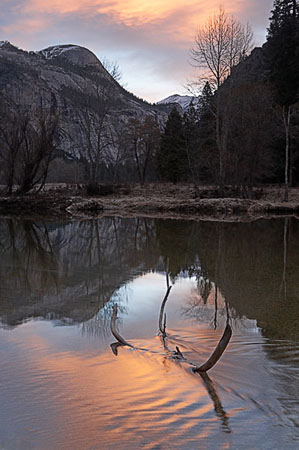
242, 131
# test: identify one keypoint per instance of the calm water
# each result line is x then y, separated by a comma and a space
61, 386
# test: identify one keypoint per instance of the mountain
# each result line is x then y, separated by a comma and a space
71, 80
183, 100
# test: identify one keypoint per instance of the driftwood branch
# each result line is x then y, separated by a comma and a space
118, 337
176, 355
217, 353
162, 326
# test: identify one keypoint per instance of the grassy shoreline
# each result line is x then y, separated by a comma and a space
152, 200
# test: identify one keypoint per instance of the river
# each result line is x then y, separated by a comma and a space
61, 385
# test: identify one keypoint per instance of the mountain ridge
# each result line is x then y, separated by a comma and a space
63, 78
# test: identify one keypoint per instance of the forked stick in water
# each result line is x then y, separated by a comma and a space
176, 355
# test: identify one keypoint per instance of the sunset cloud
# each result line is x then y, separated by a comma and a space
149, 38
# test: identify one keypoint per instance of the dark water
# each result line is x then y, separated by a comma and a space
61, 387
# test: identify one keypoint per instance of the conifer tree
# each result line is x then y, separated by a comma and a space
171, 156
192, 141
282, 52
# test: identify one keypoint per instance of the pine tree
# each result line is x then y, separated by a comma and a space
192, 141
282, 52
171, 156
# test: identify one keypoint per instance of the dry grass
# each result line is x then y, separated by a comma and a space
155, 199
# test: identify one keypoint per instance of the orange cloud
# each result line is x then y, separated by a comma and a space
133, 13
150, 38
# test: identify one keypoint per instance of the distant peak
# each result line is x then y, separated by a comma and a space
7, 44
183, 100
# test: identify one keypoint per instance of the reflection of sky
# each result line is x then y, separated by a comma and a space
61, 388
149, 39
142, 299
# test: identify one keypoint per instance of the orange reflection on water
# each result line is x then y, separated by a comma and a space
115, 399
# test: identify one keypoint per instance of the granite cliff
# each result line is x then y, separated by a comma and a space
68, 79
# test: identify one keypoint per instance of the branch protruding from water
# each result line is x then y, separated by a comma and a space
120, 340
217, 353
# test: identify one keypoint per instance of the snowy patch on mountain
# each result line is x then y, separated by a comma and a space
57, 50
183, 100
75, 54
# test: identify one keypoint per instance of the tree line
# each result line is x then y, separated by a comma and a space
243, 129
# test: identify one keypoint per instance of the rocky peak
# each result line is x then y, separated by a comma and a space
184, 101
68, 79
75, 54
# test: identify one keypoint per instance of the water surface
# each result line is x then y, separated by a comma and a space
61, 386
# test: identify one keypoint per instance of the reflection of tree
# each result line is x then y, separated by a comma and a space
176, 243
283, 287
27, 245
245, 262
69, 271
249, 275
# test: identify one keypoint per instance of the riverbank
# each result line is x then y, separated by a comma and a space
152, 200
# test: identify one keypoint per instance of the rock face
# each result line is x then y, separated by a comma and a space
64, 78
253, 68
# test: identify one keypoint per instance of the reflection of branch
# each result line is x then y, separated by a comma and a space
210, 387
216, 307
283, 286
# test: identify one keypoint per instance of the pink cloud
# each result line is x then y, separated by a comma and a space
150, 38
142, 13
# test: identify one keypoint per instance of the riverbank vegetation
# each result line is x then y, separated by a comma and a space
240, 135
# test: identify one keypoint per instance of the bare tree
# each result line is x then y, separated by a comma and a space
13, 130
27, 143
96, 123
220, 44
37, 152
142, 140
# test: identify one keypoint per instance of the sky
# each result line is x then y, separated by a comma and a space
149, 39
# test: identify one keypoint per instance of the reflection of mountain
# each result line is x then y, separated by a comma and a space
69, 271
